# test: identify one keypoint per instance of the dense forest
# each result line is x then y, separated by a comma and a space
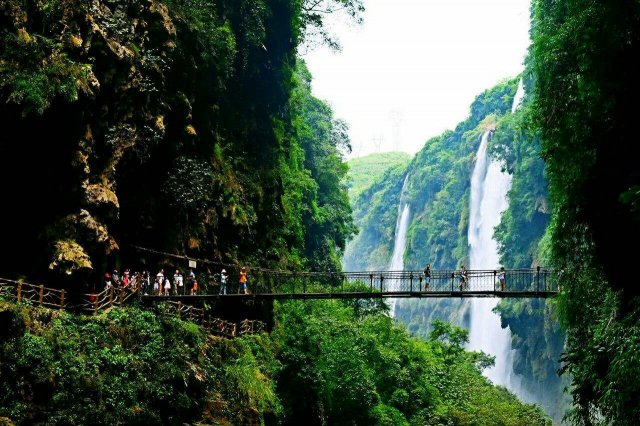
189, 126
325, 362
585, 94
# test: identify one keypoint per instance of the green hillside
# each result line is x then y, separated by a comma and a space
364, 171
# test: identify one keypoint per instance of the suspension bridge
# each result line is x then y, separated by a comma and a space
271, 285
282, 285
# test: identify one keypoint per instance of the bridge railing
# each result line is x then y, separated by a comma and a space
34, 294
388, 282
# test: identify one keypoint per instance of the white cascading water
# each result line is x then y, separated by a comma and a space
400, 239
517, 99
489, 187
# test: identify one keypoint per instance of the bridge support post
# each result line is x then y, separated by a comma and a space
411, 282
420, 283
538, 279
453, 277
371, 278
381, 281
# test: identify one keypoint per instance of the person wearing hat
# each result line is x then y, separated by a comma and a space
223, 282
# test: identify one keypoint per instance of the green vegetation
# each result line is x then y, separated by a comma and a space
128, 366
364, 171
326, 362
181, 125
585, 98
375, 214
535, 326
439, 179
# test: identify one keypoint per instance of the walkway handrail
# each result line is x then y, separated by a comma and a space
37, 294
93, 303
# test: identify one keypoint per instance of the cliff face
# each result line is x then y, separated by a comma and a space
163, 124
76, 77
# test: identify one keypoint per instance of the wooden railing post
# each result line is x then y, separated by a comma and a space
179, 310
121, 296
110, 297
95, 304
19, 291
41, 295
62, 300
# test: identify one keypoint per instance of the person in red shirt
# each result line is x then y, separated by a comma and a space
243, 281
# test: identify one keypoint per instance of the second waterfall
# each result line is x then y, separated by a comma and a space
400, 241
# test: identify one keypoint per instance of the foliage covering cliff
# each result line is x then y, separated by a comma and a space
586, 91
326, 362
182, 125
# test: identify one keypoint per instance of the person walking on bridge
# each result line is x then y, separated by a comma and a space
243, 281
178, 283
160, 282
223, 282
167, 286
427, 277
502, 278
463, 280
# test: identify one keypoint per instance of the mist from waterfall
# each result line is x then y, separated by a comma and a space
400, 240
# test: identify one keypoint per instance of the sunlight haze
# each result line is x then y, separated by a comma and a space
414, 67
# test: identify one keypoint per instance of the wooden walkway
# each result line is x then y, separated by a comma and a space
92, 303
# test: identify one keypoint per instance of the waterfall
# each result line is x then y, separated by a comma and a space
517, 99
400, 239
489, 187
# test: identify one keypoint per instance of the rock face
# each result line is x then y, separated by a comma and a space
96, 55
99, 102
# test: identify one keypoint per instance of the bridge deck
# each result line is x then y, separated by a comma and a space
357, 295
374, 285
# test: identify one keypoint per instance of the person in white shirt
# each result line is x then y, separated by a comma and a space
178, 283
223, 282
502, 278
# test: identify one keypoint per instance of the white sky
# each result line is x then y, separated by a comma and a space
419, 63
